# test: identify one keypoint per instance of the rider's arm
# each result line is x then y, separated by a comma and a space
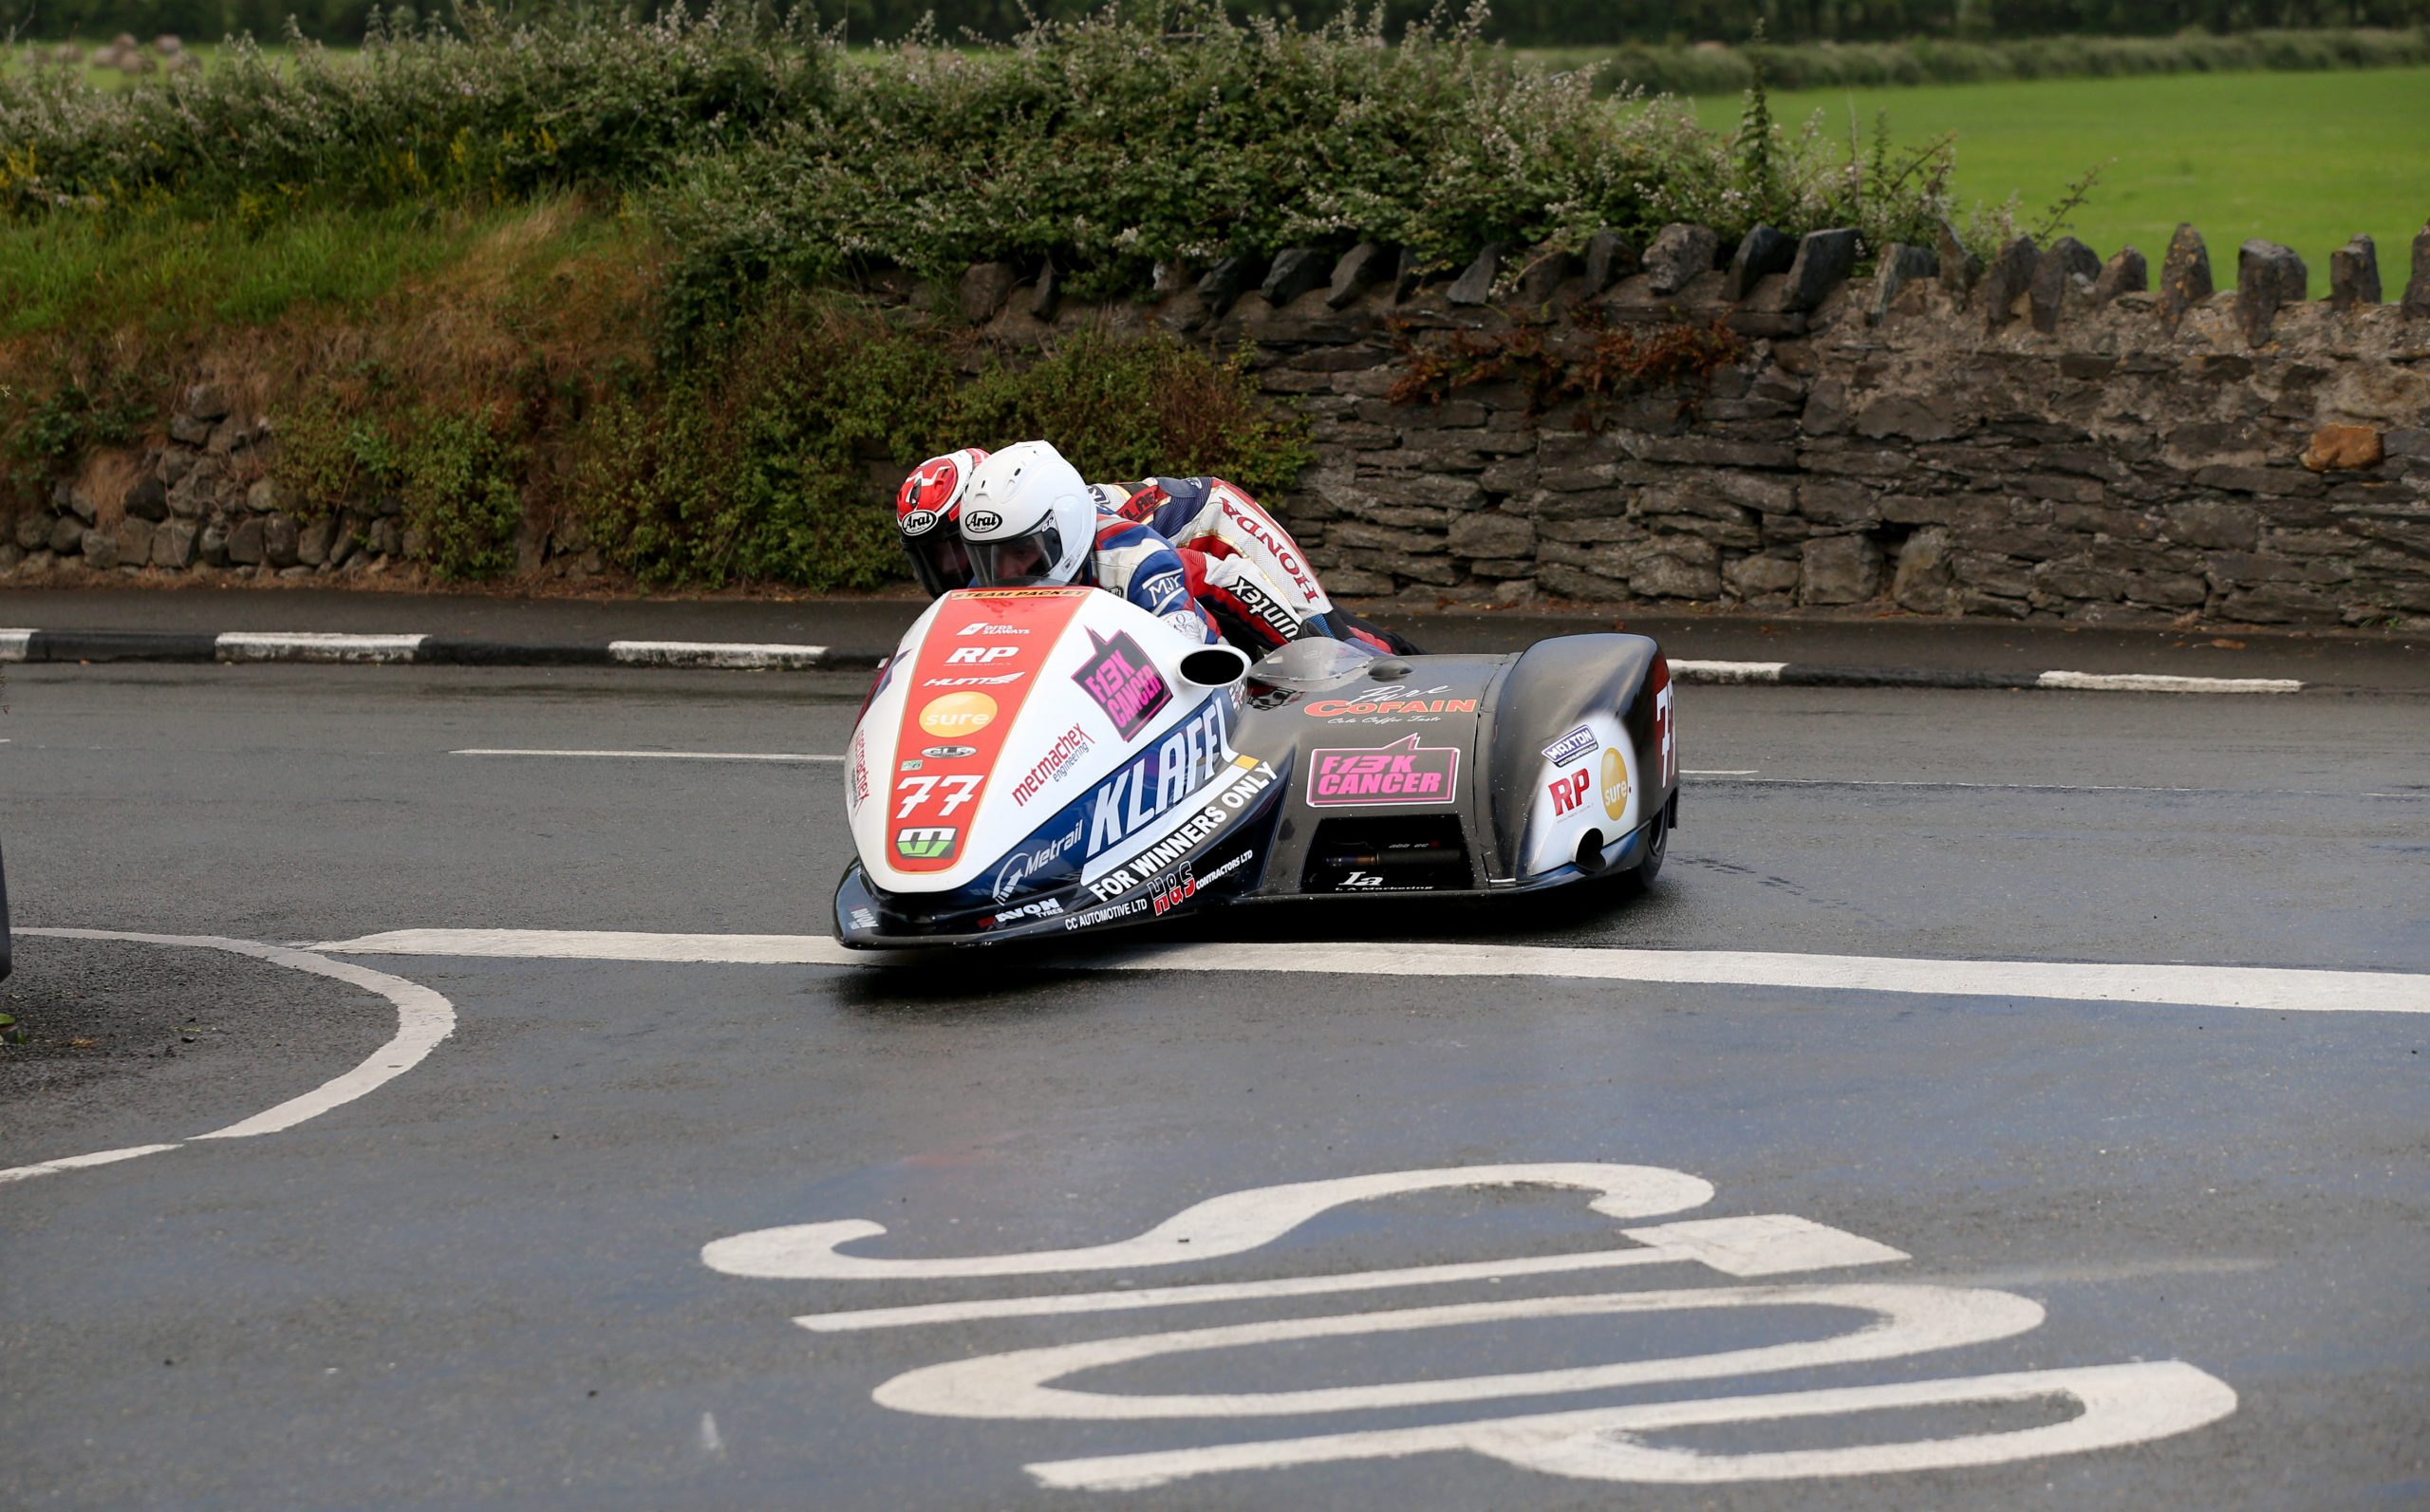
1250, 611
1143, 566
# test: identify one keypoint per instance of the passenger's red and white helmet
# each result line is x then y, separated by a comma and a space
928, 512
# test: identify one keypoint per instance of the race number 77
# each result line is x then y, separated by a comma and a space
915, 790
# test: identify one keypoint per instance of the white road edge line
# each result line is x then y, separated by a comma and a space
316, 646
2156, 683
656, 755
1727, 671
746, 655
2271, 989
423, 1019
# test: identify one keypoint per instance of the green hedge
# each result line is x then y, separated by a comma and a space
1530, 23
1105, 144
767, 459
1109, 144
428, 114
757, 462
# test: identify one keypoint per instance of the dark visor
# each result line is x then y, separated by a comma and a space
1017, 561
940, 563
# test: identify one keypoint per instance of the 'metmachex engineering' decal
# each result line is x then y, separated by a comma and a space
933, 804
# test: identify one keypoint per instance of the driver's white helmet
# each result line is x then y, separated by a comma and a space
1029, 517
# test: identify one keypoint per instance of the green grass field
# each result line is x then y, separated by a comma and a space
2304, 159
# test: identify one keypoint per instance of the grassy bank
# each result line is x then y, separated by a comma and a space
2306, 159
1712, 69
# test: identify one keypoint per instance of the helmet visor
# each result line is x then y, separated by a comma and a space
1018, 561
940, 561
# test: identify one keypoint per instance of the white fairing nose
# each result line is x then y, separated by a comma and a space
1003, 709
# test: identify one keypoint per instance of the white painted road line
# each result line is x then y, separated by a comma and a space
2152, 682
106, 1157
1764, 1244
1908, 1319
13, 644
2274, 989
2121, 1405
423, 1019
284, 645
743, 655
603, 944
796, 756
1692, 671
1748, 780
1230, 1224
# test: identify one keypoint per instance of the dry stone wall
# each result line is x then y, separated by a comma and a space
2050, 434
2045, 437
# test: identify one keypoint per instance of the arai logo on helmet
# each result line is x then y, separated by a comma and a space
958, 713
978, 522
919, 522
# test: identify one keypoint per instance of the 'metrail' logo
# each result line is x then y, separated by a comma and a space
1125, 684
1403, 771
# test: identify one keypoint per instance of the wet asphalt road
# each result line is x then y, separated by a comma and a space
483, 1283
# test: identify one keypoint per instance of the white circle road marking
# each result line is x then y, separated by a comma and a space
423, 1019
2274, 989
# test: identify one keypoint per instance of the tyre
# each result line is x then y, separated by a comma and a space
1657, 845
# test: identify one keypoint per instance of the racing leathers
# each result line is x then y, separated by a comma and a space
1243, 566
1136, 562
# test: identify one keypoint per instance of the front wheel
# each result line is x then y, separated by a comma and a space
1657, 845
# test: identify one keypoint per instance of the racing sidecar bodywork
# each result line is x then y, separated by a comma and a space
1044, 762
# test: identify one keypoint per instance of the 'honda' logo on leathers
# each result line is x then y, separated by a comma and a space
1404, 772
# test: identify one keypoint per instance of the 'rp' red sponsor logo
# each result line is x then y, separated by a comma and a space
1568, 791
1403, 771
1125, 684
